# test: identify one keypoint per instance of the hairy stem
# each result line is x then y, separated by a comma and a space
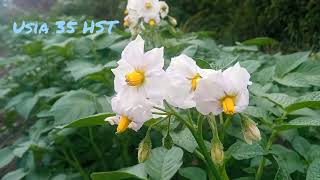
198, 137
96, 148
263, 161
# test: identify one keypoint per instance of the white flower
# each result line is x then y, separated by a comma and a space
223, 91
183, 74
164, 9
133, 6
140, 74
152, 19
131, 112
149, 7
130, 21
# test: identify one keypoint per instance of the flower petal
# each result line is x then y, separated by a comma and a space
154, 59
133, 52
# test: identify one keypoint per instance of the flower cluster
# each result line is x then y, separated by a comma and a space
147, 11
141, 84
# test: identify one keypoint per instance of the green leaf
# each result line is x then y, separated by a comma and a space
287, 63
26, 107
24, 103
49, 92
302, 146
22, 148
288, 159
33, 48
119, 45
6, 156
260, 41
163, 163
203, 64
104, 104
293, 80
265, 75
241, 150
103, 41
311, 100
184, 139
256, 112
300, 122
134, 172
282, 174
14, 59
193, 173
74, 105
251, 65
83, 46
190, 51
80, 69
60, 177
94, 120
313, 172
282, 100
4, 92
240, 47
15, 175
313, 153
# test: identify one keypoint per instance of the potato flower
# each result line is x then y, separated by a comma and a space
130, 21
183, 74
148, 10
164, 9
140, 74
131, 112
223, 91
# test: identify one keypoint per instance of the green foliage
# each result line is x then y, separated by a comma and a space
59, 88
292, 23
164, 163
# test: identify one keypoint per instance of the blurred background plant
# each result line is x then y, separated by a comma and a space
295, 24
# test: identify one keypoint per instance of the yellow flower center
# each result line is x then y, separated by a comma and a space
126, 22
228, 105
135, 78
194, 81
148, 5
123, 124
152, 22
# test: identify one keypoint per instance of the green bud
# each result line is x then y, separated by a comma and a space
144, 149
172, 21
250, 130
217, 154
167, 141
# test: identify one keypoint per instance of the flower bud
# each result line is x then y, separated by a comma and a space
172, 21
250, 130
144, 149
167, 142
217, 154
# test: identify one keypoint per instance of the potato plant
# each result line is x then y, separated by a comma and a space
59, 90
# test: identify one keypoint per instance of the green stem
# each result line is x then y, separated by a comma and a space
96, 148
200, 141
199, 155
221, 118
158, 122
75, 163
215, 138
213, 126
225, 126
227, 122
263, 161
